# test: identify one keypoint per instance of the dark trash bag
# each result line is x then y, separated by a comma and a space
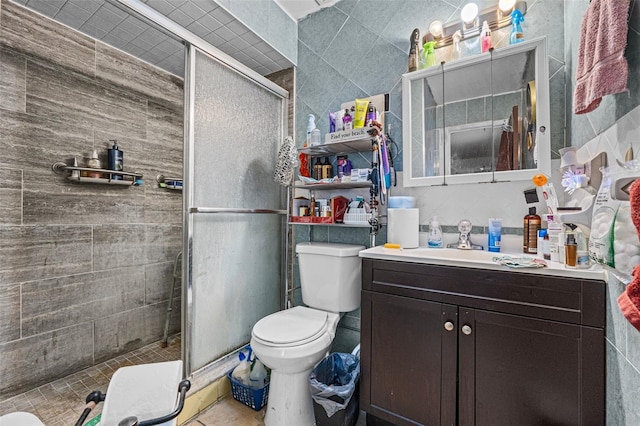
333, 384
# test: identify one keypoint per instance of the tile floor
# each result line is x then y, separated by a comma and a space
230, 412
60, 403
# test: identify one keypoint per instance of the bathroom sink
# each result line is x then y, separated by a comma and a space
453, 254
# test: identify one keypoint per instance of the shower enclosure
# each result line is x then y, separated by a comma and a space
234, 218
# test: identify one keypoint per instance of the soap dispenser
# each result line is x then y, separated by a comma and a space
115, 160
435, 234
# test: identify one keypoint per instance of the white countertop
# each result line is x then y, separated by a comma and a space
477, 259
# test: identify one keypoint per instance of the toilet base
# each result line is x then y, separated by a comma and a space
290, 402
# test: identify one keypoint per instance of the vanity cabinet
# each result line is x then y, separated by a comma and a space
442, 345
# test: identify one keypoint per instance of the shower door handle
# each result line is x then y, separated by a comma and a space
235, 210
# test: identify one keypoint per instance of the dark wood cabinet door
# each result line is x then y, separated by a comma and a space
410, 360
522, 371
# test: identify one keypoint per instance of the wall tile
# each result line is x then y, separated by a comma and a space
380, 76
127, 72
118, 246
158, 281
344, 59
12, 81
163, 242
48, 305
67, 97
35, 143
11, 197
38, 37
39, 252
9, 312
126, 331
39, 359
317, 31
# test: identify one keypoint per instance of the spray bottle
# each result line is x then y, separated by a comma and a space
485, 38
428, 54
516, 35
548, 192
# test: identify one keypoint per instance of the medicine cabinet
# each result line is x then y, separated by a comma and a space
483, 118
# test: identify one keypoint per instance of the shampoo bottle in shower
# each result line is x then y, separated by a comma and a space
115, 160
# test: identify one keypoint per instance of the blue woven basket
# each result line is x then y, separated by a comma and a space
251, 397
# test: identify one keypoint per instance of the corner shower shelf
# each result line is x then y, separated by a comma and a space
169, 182
128, 178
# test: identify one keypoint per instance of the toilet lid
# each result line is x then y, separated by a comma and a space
297, 325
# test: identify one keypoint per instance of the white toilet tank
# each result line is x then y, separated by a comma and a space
330, 275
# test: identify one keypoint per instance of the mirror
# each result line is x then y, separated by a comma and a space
483, 118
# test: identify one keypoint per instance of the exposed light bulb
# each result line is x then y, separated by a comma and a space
435, 28
506, 5
469, 13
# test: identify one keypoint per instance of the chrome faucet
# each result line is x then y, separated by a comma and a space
464, 241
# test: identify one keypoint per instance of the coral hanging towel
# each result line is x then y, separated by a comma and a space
629, 300
602, 68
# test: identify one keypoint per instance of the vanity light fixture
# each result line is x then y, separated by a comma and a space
435, 28
497, 16
469, 15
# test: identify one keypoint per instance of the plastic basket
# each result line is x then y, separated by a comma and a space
255, 398
357, 217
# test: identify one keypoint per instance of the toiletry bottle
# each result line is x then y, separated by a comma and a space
485, 37
94, 163
429, 54
258, 375
494, 235
435, 234
413, 50
516, 35
582, 254
312, 206
338, 119
347, 166
530, 231
311, 124
347, 120
115, 160
327, 169
341, 162
317, 169
371, 115
571, 250
75, 173
456, 53
315, 137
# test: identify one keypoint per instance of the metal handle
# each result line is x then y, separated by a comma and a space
448, 326
466, 329
234, 210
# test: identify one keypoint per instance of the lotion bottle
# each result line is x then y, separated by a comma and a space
435, 234
530, 230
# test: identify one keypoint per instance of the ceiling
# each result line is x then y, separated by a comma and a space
109, 22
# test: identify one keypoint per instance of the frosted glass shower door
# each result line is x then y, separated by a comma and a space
233, 208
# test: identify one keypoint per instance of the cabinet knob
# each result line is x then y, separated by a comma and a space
448, 326
466, 329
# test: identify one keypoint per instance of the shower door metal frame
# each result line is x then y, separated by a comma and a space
192, 41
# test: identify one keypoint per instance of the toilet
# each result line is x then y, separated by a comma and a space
292, 342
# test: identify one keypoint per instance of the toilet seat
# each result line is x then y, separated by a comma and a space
291, 327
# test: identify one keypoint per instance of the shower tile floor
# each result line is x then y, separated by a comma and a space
60, 403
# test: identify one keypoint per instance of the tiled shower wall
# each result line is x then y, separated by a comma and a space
85, 269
